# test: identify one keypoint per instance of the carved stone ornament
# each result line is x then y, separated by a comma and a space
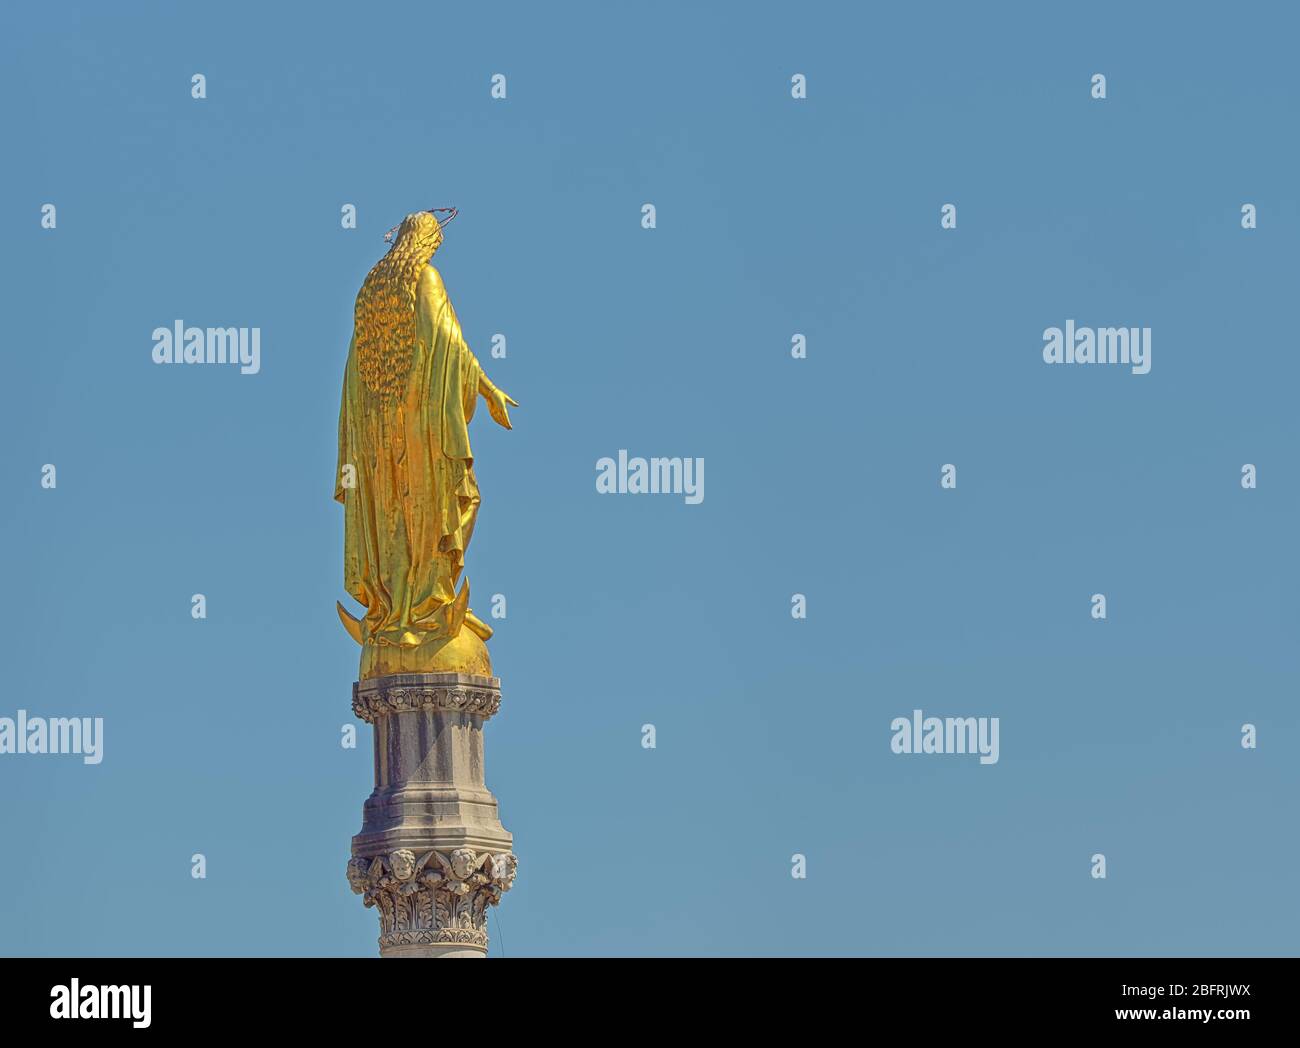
436, 898
376, 698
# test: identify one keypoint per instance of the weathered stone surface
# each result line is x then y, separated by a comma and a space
432, 854
406, 692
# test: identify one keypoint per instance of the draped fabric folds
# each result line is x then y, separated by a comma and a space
412, 501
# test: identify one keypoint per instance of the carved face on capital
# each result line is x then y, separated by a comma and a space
403, 864
462, 863
358, 870
503, 870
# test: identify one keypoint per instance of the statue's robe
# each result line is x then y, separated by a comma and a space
411, 514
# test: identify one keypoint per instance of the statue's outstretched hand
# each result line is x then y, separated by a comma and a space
497, 400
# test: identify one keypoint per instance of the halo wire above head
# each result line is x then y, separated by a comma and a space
450, 212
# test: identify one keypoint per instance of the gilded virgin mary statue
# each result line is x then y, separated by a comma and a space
405, 470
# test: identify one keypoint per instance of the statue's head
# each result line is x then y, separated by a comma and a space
385, 310
420, 234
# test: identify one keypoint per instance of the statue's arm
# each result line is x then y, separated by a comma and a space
498, 400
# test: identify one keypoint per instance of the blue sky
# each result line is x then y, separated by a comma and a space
774, 217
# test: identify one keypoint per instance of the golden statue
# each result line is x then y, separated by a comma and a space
405, 470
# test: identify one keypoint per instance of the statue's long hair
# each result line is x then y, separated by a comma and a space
384, 319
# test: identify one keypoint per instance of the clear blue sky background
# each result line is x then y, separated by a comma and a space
774, 217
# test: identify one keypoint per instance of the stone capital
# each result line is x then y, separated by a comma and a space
436, 900
409, 692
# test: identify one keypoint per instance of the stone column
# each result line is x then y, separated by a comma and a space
432, 855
